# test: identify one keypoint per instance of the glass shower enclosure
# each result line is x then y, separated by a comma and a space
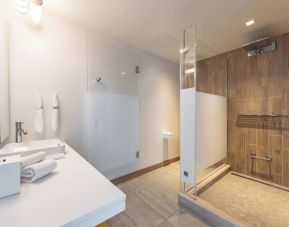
234, 129
239, 113
203, 108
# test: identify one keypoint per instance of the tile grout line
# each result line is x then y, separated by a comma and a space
150, 207
130, 219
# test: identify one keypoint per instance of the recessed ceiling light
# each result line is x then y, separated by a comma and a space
123, 73
250, 22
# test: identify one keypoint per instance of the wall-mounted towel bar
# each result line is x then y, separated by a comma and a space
267, 158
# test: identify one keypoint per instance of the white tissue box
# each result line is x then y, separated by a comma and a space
9, 176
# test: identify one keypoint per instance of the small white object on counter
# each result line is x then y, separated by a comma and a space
9, 176
76, 195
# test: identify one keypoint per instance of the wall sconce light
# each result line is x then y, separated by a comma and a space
31, 7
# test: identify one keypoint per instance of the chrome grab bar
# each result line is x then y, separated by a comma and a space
267, 158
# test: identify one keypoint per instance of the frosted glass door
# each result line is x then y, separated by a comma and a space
113, 108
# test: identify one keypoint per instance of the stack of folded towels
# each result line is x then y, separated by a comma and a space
34, 167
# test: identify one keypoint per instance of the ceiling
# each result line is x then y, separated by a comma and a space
155, 25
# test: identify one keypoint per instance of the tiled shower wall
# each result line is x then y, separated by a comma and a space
256, 85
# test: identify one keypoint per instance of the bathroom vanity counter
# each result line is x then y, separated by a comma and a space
75, 194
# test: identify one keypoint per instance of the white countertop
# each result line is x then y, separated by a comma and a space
75, 194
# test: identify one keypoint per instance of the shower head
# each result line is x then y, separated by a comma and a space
260, 46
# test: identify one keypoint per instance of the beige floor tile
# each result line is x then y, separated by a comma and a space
166, 224
141, 214
162, 202
129, 187
254, 203
151, 178
152, 200
120, 220
183, 218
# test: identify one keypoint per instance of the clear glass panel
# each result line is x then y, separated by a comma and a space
113, 108
258, 124
211, 111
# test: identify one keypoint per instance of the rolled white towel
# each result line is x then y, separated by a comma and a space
36, 171
32, 159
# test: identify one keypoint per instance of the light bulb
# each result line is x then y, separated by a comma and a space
22, 6
35, 13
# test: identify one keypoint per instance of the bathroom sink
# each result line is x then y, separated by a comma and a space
50, 146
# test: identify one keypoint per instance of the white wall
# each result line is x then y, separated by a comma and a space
4, 83
54, 58
48, 59
159, 98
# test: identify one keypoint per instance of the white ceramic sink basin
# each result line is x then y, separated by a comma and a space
50, 146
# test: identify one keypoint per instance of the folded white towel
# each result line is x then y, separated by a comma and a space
39, 122
36, 171
55, 114
32, 159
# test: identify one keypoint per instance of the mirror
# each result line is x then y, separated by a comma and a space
4, 82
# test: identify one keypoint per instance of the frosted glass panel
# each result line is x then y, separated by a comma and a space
187, 140
211, 131
113, 107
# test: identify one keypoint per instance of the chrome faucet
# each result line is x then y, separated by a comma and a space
19, 131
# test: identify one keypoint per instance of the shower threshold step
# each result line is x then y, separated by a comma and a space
211, 214
209, 180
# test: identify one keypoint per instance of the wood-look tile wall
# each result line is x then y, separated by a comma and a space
258, 84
